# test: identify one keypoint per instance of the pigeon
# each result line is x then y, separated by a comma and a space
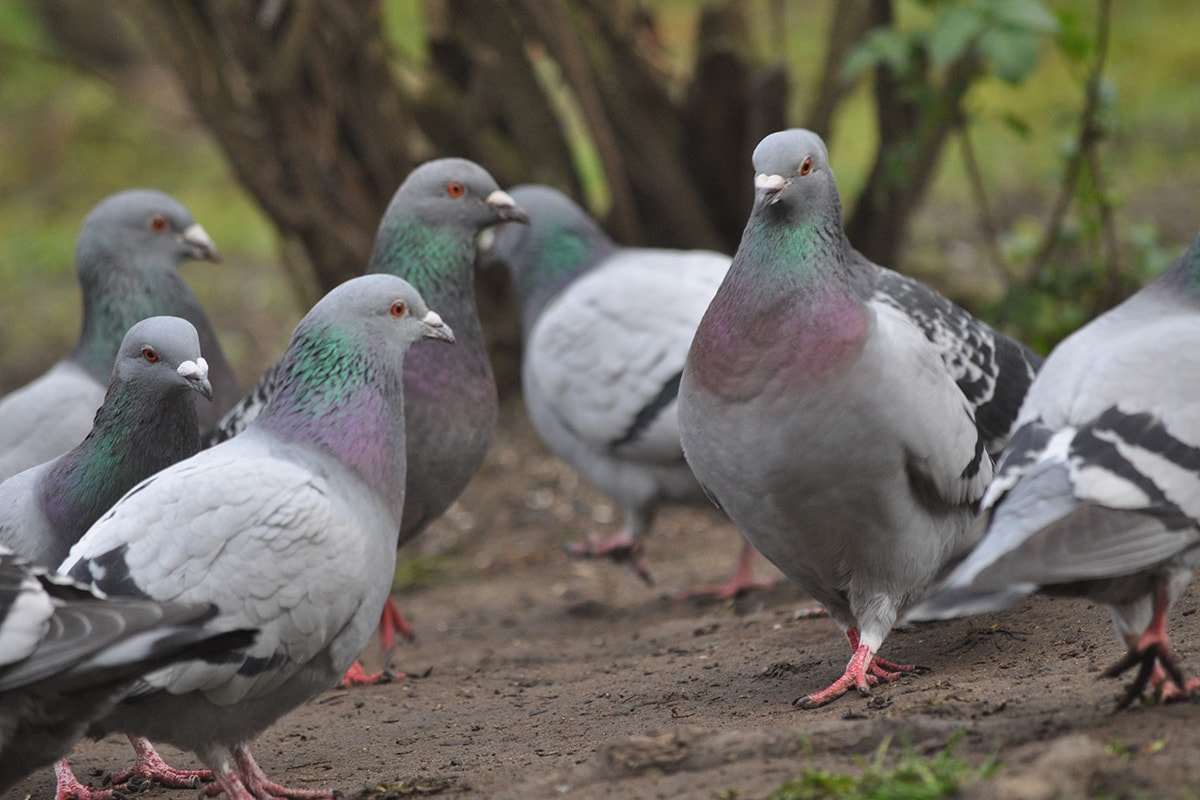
427, 236
289, 528
68, 655
842, 414
126, 259
606, 332
1098, 493
147, 422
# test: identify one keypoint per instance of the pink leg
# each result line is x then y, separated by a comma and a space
392, 622
149, 767
624, 547
262, 787
69, 787
741, 582
1152, 651
357, 676
864, 671
857, 675
227, 781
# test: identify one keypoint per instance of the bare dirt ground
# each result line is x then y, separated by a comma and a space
536, 676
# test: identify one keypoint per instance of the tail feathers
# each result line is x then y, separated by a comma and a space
948, 602
93, 642
151, 650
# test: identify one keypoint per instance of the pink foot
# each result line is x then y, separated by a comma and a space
149, 767
1151, 652
392, 622
357, 676
857, 676
69, 787
741, 582
864, 671
247, 781
620, 548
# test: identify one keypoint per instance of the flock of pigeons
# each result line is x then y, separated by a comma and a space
170, 551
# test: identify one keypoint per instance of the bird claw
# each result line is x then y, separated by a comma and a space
621, 549
357, 676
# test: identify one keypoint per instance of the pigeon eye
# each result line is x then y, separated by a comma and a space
806, 167
455, 189
158, 224
399, 309
150, 354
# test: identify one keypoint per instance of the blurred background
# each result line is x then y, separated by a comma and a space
1036, 160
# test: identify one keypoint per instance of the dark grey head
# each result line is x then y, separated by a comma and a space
792, 178
560, 243
450, 192
144, 228
160, 352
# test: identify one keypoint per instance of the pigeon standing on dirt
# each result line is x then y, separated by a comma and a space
427, 236
147, 422
289, 528
606, 332
1098, 494
127, 261
67, 656
840, 413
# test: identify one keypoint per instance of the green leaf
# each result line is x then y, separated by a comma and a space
1012, 52
1075, 39
1027, 15
882, 46
1017, 124
954, 34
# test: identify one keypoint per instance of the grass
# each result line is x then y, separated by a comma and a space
911, 777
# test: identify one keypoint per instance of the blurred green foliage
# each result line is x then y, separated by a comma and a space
68, 138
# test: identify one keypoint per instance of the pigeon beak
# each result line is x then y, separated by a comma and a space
200, 242
436, 329
506, 208
768, 187
196, 375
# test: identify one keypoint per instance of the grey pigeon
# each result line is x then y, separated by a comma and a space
840, 413
1098, 494
427, 236
147, 422
289, 528
67, 656
606, 332
126, 259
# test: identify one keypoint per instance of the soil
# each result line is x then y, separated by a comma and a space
533, 675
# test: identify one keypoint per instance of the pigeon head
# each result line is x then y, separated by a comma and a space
147, 422
340, 382
428, 232
793, 179
561, 242
1182, 278
139, 229
127, 262
161, 352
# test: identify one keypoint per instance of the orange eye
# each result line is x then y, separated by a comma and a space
150, 354
806, 167
455, 189
158, 224
399, 309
